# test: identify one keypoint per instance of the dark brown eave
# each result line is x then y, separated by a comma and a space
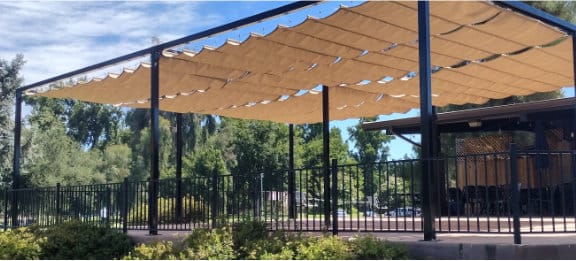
515, 116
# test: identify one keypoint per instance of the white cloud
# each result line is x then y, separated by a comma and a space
58, 37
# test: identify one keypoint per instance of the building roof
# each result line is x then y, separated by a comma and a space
506, 117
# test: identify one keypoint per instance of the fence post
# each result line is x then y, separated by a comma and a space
334, 197
108, 208
515, 189
58, 203
214, 196
261, 209
125, 206
5, 209
14, 209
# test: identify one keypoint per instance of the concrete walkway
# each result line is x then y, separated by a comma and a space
448, 245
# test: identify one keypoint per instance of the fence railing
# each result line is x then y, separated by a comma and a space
471, 193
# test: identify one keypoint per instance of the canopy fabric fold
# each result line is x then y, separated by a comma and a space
368, 57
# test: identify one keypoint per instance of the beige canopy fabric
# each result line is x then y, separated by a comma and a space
366, 55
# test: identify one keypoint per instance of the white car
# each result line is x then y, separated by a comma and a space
405, 212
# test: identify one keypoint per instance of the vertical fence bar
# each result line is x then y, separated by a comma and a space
108, 214
58, 203
291, 175
514, 188
335, 196
125, 206
5, 209
214, 203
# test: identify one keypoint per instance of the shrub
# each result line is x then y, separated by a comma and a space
19, 244
193, 210
76, 240
323, 248
249, 235
279, 245
209, 244
163, 250
370, 248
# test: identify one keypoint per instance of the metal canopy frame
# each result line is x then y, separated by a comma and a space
427, 111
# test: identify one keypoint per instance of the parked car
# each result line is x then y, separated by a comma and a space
405, 212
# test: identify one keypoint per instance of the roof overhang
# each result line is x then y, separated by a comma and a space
506, 117
368, 57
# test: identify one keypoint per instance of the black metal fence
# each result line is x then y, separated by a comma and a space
485, 193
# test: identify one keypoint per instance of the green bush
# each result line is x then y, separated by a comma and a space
323, 248
193, 210
370, 248
209, 244
76, 240
163, 250
251, 240
19, 244
248, 235
279, 245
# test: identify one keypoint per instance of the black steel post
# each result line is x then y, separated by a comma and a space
154, 143
179, 147
58, 203
326, 154
426, 118
214, 201
574, 115
125, 206
16, 158
573, 148
515, 189
335, 197
291, 175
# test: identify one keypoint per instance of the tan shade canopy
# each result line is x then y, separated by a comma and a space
366, 55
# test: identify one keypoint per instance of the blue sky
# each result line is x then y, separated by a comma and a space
58, 37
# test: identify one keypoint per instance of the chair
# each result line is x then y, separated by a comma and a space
455, 201
474, 198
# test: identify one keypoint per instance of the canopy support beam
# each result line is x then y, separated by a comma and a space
406, 139
16, 158
291, 174
326, 154
426, 118
179, 147
154, 143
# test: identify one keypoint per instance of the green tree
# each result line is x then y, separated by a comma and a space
93, 125
370, 148
116, 162
259, 147
142, 149
55, 157
9, 81
312, 155
563, 9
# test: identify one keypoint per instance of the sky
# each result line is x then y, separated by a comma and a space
58, 37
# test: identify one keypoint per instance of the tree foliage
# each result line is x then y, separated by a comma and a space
9, 81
